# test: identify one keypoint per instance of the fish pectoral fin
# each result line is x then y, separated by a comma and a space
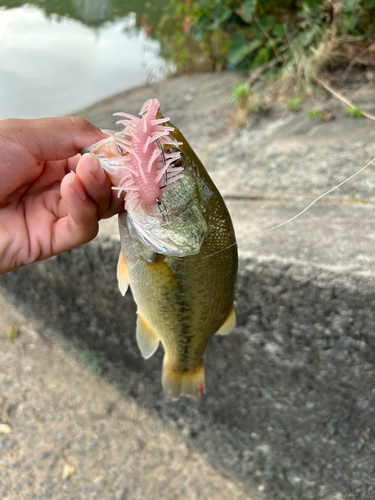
228, 324
148, 340
122, 273
187, 383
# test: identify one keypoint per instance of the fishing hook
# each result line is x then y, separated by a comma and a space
163, 209
163, 161
119, 150
161, 204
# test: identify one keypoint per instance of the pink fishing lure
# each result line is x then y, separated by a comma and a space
144, 165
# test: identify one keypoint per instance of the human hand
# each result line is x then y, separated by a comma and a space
51, 198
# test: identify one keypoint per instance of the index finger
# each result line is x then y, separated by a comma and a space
54, 138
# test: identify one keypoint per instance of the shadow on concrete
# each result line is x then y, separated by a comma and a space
291, 398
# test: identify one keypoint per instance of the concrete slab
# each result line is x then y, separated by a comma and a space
67, 433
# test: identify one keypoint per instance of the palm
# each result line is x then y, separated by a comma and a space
32, 213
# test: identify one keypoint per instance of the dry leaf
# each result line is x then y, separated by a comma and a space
12, 333
327, 117
5, 429
67, 471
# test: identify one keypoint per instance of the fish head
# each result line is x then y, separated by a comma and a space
175, 224
175, 227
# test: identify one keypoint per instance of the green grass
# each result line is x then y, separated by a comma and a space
317, 114
354, 112
240, 92
293, 103
90, 360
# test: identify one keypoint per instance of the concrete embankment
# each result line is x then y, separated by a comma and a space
290, 405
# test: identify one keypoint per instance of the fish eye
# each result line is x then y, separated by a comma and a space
179, 162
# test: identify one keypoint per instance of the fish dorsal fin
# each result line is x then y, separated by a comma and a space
122, 273
148, 340
228, 324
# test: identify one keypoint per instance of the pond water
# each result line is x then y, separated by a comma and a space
54, 63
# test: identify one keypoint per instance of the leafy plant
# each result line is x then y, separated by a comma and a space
240, 92
245, 34
293, 103
317, 113
354, 112
256, 108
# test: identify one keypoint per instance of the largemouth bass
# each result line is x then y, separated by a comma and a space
178, 250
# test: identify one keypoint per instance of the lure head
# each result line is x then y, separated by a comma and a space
147, 172
137, 159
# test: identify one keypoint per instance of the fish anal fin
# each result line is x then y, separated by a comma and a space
148, 340
122, 273
228, 324
186, 383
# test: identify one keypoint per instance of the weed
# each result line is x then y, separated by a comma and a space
90, 360
317, 114
354, 112
240, 92
293, 103
300, 38
255, 108
12, 333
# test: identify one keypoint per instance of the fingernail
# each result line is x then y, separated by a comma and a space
97, 170
77, 186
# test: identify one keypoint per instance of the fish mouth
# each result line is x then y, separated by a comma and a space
110, 155
106, 148
178, 233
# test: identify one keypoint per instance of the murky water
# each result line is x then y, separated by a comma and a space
53, 64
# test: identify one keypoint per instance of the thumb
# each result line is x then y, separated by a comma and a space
80, 224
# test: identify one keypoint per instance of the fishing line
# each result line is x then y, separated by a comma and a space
292, 218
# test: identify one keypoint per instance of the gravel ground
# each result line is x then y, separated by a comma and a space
289, 413
67, 434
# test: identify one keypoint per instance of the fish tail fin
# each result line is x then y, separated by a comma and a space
187, 383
